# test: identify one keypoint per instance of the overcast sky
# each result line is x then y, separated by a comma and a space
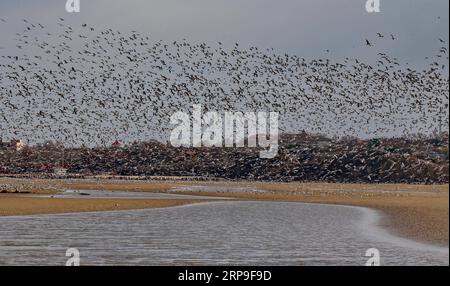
333, 29
303, 27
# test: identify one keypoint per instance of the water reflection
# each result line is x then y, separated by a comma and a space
218, 233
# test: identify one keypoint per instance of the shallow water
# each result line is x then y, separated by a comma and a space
87, 194
217, 233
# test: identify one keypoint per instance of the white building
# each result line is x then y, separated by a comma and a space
19, 145
13, 144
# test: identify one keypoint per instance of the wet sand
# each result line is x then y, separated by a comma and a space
12, 206
419, 212
214, 233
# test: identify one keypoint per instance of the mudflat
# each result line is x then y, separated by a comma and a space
419, 212
29, 206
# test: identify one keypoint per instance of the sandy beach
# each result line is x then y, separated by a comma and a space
11, 205
419, 212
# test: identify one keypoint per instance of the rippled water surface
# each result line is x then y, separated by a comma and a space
238, 233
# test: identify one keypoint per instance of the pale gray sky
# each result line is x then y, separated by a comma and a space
303, 27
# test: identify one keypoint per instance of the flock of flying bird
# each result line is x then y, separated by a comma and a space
79, 86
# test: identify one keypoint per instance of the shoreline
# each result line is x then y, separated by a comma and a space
25, 206
417, 212
419, 216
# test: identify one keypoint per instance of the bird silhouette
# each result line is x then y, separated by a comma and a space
90, 86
